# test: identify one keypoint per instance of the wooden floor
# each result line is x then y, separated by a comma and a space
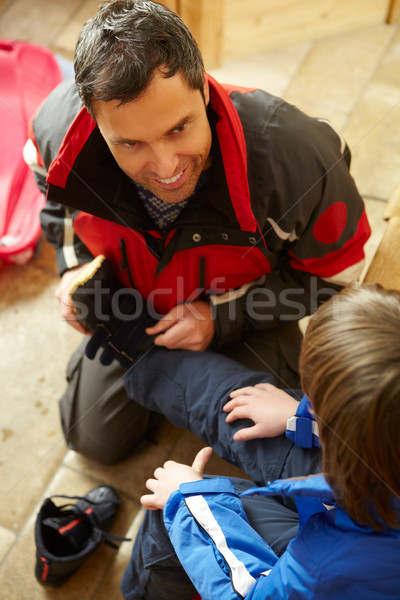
353, 80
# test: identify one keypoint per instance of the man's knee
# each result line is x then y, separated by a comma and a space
103, 452
106, 437
97, 417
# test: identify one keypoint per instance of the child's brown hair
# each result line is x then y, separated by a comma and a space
350, 370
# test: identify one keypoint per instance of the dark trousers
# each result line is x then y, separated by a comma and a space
190, 389
101, 422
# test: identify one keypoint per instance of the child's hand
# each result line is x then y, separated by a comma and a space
169, 477
266, 405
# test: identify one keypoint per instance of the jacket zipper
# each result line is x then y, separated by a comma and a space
125, 262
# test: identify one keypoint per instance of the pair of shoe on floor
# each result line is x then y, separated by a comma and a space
66, 535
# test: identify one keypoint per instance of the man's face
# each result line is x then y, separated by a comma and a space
161, 140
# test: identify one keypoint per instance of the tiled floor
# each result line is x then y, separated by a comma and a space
354, 80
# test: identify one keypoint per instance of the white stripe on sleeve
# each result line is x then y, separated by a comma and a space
242, 581
68, 249
30, 156
291, 425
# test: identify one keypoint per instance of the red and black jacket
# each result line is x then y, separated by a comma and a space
279, 219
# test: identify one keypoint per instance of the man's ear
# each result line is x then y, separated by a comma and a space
206, 90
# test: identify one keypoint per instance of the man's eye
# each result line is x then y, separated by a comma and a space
129, 145
180, 128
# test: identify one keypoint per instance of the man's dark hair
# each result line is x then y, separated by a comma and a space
121, 46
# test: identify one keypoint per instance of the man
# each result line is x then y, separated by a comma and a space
231, 212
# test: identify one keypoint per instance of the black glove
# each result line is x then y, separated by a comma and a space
122, 334
116, 316
91, 292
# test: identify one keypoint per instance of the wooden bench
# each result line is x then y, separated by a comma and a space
385, 265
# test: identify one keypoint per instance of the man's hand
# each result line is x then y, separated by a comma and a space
169, 477
266, 405
185, 327
67, 310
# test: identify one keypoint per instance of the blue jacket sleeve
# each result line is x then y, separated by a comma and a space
223, 555
214, 541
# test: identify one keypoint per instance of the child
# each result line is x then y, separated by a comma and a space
348, 545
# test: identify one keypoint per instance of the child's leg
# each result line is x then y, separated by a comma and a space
154, 571
190, 389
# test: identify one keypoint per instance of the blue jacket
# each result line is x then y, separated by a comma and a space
331, 557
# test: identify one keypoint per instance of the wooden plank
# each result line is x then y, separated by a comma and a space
393, 206
205, 20
385, 266
280, 9
300, 10
3, 5
67, 38
260, 25
39, 21
172, 4
394, 12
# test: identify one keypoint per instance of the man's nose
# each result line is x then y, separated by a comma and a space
164, 161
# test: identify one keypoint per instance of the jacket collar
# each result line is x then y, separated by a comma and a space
233, 148
313, 495
314, 486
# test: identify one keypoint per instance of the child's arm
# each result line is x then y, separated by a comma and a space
220, 551
222, 554
229, 556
